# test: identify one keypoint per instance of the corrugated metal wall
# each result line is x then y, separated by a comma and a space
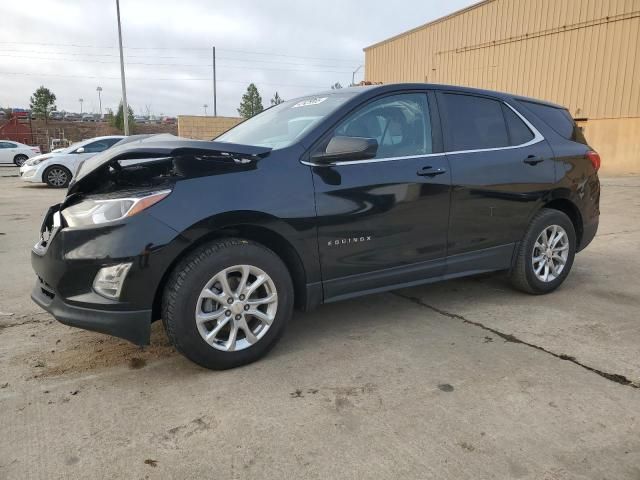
584, 54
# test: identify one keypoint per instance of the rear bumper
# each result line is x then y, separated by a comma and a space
134, 326
589, 231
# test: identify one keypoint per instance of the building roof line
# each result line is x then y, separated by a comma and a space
428, 24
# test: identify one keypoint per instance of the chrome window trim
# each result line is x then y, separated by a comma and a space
537, 138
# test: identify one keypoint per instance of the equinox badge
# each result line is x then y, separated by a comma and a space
346, 241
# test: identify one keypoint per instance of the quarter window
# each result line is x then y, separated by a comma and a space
474, 122
400, 124
518, 130
559, 119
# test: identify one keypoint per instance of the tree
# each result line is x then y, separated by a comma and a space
251, 103
336, 86
43, 102
277, 99
117, 120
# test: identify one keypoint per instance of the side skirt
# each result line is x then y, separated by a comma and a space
460, 265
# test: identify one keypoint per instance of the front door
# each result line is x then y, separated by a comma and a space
383, 222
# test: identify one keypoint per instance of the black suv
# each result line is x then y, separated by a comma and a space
318, 199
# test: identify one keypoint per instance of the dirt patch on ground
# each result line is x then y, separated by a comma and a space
87, 351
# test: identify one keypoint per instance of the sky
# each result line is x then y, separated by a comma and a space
292, 47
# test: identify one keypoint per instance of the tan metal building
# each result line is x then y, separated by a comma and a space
205, 128
584, 54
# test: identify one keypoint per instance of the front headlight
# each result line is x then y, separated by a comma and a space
35, 161
97, 211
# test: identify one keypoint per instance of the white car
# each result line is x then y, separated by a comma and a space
16, 153
56, 169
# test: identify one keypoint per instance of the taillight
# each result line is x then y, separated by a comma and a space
594, 158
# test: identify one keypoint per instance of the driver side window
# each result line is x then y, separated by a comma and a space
96, 147
399, 123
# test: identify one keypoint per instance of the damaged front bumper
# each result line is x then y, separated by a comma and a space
132, 325
67, 260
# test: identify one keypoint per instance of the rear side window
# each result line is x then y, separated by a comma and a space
474, 122
559, 119
518, 130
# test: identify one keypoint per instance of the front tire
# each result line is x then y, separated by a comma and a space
227, 303
20, 159
57, 176
546, 253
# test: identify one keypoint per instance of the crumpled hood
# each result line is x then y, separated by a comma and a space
146, 147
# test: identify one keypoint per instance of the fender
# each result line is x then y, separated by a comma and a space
238, 222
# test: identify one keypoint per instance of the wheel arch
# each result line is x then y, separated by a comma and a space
572, 211
255, 231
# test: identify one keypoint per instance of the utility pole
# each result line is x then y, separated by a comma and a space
353, 75
81, 100
125, 106
99, 90
215, 109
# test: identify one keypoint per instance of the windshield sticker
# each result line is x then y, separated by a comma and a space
310, 101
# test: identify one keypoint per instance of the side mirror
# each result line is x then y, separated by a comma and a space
80, 150
347, 149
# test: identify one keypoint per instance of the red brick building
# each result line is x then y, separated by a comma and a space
18, 129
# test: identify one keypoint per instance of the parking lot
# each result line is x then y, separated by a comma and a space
466, 379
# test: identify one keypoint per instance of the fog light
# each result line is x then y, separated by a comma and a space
109, 280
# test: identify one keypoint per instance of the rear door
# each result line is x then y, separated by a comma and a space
7, 152
384, 221
501, 169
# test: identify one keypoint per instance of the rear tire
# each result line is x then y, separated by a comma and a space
20, 159
546, 253
203, 304
57, 176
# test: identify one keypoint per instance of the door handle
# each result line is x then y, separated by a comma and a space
430, 172
533, 160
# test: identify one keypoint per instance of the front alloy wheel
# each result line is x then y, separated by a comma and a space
57, 177
236, 308
227, 303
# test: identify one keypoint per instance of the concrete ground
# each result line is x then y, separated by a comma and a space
467, 379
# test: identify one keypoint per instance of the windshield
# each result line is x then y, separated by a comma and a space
282, 125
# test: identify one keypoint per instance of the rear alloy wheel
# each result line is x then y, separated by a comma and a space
227, 303
546, 253
20, 159
550, 253
57, 176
